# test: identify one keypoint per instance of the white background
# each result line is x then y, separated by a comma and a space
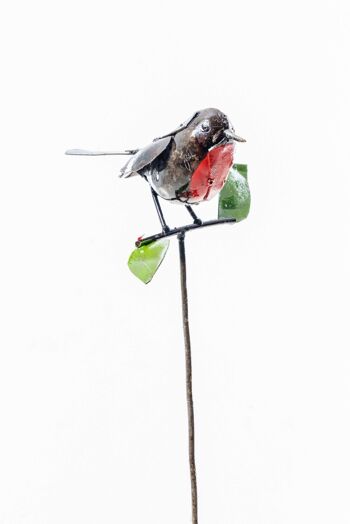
92, 395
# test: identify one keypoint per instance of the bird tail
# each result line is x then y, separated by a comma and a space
85, 152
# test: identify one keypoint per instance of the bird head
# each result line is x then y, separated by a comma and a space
212, 128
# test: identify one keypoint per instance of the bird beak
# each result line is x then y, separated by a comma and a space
231, 135
238, 138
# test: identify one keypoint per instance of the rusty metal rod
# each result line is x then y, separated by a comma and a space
188, 359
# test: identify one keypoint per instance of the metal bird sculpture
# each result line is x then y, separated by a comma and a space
189, 165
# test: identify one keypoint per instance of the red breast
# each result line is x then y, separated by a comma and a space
210, 176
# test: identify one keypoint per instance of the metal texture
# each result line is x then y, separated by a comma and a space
183, 229
191, 163
165, 228
188, 360
188, 165
86, 152
196, 220
144, 157
180, 127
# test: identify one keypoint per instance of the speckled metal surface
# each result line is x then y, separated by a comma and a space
190, 164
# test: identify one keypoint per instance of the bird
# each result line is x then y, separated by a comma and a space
189, 165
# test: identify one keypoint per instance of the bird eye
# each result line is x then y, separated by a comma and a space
205, 127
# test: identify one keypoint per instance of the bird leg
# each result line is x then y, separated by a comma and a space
196, 220
165, 227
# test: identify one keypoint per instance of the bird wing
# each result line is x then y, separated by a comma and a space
181, 127
144, 157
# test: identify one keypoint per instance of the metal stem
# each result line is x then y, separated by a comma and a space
190, 413
183, 229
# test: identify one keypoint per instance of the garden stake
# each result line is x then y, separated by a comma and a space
190, 165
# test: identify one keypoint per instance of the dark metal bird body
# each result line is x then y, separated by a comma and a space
190, 164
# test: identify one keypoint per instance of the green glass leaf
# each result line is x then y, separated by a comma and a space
145, 260
234, 200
